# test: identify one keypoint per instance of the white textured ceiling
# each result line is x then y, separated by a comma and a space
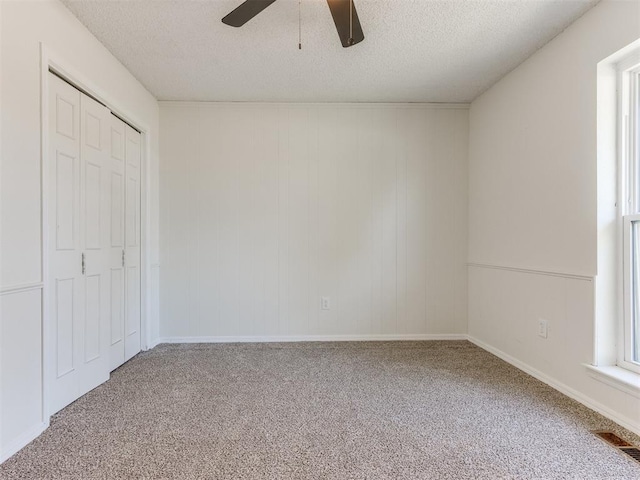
414, 51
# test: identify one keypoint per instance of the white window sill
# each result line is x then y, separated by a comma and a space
617, 377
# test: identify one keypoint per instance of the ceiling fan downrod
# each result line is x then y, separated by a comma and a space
350, 22
299, 24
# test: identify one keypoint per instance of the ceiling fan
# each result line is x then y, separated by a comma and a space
343, 12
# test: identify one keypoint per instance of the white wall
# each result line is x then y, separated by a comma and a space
533, 208
24, 24
265, 208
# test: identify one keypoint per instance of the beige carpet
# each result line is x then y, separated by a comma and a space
393, 410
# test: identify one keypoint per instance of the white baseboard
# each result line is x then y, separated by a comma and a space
22, 441
629, 424
312, 338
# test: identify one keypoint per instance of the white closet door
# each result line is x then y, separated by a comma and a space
133, 157
79, 291
117, 246
96, 193
66, 284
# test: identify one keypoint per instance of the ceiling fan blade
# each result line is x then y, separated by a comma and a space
347, 23
245, 12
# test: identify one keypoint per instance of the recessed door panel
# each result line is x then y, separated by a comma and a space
132, 212
92, 206
117, 210
117, 139
133, 148
132, 300
64, 316
91, 133
66, 191
66, 113
93, 312
117, 306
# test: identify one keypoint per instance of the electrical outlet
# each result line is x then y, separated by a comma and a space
543, 328
325, 303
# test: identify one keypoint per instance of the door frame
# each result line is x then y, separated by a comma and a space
52, 61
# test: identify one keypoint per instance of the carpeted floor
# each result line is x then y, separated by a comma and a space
392, 410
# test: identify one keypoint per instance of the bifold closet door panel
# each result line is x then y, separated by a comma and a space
117, 246
95, 188
78, 198
66, 285
133, 156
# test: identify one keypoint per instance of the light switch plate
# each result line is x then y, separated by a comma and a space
543, 328
325, 303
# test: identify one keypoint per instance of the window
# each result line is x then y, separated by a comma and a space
629, 351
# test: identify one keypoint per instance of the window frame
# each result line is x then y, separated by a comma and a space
629, 201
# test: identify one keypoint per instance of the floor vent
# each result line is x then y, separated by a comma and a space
633, 452
622, 445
